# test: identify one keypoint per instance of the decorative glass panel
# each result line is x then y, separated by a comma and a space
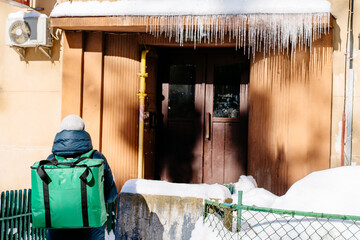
227, 91
182, 91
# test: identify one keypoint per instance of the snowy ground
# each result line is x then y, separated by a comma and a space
110, 236
334, 191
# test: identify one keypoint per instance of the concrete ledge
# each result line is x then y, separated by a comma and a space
156, 217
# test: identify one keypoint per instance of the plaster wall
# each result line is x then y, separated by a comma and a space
340, 10
30, 105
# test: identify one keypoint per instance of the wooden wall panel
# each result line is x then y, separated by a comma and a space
268, 107
150, 132
120, 107
321, 82
289, 116
92, 86
72, 74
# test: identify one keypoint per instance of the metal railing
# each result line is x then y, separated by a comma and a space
111, 217
237, 221
15, 216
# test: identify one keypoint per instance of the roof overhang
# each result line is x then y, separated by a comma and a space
124, 23
280, 24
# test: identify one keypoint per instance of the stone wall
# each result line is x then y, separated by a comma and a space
156, 217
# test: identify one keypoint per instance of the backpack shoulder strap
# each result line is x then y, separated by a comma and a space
89, 154
59, 158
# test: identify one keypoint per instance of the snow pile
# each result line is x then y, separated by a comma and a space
252, 195
187, 7
334, 191
204, 231
22, 14
153, 187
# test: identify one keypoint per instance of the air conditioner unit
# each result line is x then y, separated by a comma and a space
28, 29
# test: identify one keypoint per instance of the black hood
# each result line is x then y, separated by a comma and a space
71, 143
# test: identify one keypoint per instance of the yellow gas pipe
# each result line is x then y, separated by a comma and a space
143, 75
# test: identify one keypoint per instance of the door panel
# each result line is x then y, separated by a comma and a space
214, 173
225, 153
205, 116
235, 151
182, 107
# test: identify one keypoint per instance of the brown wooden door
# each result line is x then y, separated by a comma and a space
204, 107
226, 117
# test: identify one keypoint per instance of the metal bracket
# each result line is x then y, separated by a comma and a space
21, 51
45, 50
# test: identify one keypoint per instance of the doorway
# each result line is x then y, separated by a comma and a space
202, 135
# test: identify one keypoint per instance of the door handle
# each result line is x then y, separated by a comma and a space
207, 125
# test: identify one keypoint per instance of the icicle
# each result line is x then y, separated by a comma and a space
254, 32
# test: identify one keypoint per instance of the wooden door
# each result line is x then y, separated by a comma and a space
226, 117
204, 107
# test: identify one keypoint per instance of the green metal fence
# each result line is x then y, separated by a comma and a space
111, 217
15, 216
237, 221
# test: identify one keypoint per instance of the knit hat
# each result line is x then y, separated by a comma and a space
72, 122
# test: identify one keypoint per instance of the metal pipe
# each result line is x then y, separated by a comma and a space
343, 129
142, 94
350, 92
343, 138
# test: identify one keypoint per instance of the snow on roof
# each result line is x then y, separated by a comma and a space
283, 23
153, 187
187, 7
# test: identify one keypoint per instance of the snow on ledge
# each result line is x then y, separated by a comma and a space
187, 7
154, 187
22, 14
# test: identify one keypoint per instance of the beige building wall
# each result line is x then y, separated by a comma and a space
30, 105
340, 10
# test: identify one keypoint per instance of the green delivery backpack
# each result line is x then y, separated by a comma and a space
68, 193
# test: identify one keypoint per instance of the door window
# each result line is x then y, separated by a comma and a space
182, 91
227, 91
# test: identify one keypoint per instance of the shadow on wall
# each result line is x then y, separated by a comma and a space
266, 146
290, 116
177, 150
336, 37
35, 54
179, 122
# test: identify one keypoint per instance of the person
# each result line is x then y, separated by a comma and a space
73, 141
